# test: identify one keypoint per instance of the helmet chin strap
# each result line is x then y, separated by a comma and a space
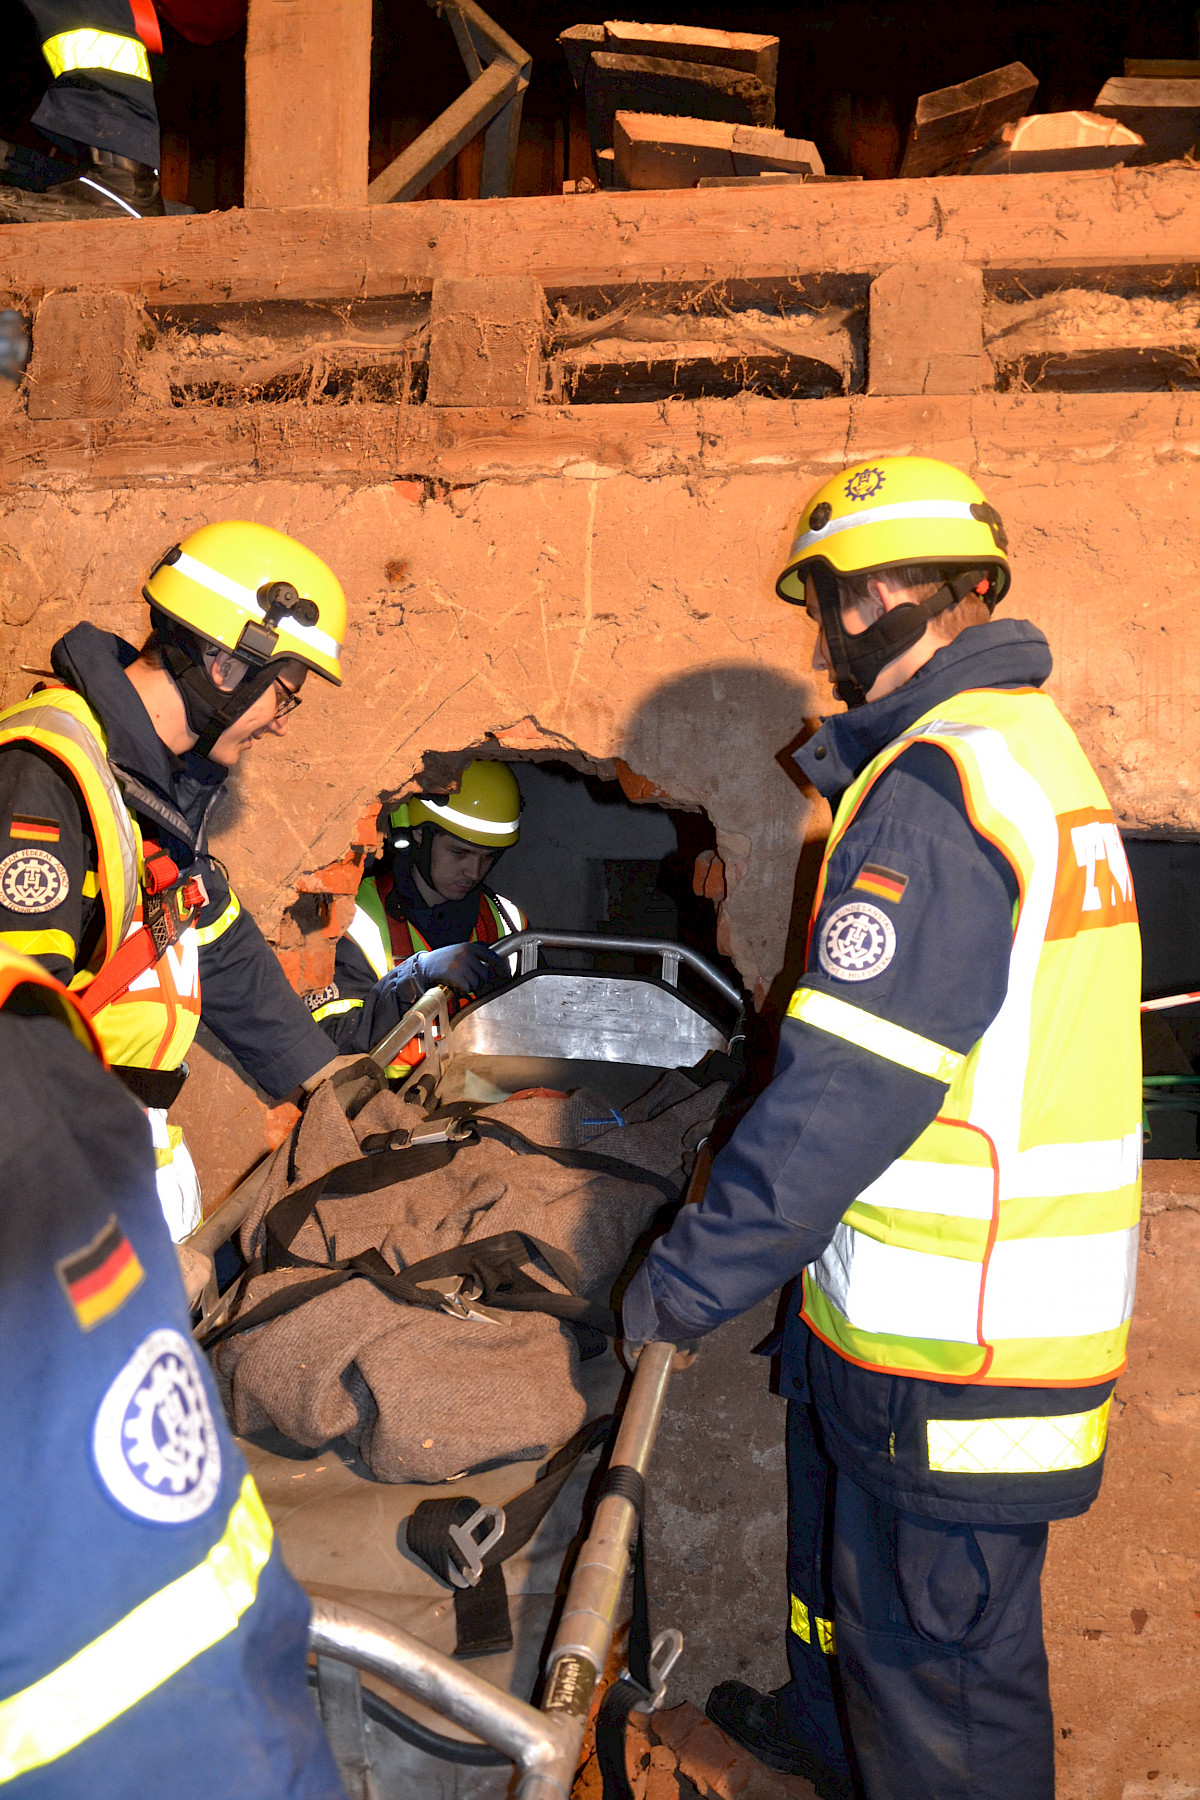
858, 658
210, 710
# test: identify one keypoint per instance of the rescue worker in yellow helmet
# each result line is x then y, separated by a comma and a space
109, 775
949, 1155
154, 1642
425, 913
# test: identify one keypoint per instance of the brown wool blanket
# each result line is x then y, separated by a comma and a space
421, 1395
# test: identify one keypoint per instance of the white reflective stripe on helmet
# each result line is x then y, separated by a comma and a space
488, 827
245, 597
883, 515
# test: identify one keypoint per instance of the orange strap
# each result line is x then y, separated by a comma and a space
145, 23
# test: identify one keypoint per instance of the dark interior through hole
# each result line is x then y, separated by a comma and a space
591, 860
1166, 880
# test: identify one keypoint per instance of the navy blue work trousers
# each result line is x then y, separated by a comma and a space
97, 106
915, 1646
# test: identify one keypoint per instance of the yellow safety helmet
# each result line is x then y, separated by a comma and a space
894, 511
485, 811
257, 593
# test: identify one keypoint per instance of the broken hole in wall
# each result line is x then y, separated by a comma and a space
1166, 881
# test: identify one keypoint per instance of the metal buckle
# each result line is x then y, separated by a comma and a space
473, 1550
460, 1298
665, 1652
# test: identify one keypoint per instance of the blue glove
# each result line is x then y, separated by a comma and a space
467, 968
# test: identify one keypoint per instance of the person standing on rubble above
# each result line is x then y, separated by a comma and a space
154, 1642
108, 777
425, 915
950, 1150
98, 153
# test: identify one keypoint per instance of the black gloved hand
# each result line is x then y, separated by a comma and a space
467, 968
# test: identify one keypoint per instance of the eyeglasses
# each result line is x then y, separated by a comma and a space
286, 700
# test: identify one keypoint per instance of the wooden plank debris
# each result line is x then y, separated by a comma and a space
652, 151
926, 331
1078, 339
84, 354
308, 93
1048, 143
654, 84
485, 342
1165, 113
1159, 68
952, 124
751, 52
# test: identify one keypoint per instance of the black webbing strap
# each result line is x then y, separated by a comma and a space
495, 1264
633, 1686
481, 1614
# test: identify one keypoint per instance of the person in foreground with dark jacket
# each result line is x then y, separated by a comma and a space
950, 1151
154, 1643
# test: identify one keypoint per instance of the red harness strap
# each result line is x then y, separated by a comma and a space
165, 923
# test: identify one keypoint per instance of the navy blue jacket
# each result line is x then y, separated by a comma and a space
835, 1116
118, 1471
245, 998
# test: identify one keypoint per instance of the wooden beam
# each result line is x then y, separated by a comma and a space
365, 444
485, 342
655, 84
926, 331
1046, 143
308, 97
84, 351
1027, 223
464, 119
952, 124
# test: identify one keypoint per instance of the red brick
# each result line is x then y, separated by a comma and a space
342, 877
338, 915
413, 491
278, 1122
708, 876
637, 787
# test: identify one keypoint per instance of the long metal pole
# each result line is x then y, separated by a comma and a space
584, 1637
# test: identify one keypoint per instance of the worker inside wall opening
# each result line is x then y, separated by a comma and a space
948, 1157
109, 775
426, 913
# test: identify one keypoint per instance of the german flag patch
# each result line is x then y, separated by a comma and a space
34, 830
98, 1279
885, 884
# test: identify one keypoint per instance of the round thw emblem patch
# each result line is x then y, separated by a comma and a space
858, 942
154, 1440
33, 881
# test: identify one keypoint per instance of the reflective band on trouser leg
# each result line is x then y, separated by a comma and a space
1035, 1446
805, 1623
70, 50
870, 1032
208, 934
335, 1008
147, 1647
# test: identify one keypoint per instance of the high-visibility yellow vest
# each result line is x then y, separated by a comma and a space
1002, 1246
371, 930
151, 1025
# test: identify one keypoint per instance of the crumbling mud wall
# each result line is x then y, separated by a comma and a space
619, 609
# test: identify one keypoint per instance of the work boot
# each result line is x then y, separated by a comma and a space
106, 186
752, 1720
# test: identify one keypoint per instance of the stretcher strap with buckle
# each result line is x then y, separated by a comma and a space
444, 1535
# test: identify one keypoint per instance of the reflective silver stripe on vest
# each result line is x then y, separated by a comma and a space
363, 931
59, 723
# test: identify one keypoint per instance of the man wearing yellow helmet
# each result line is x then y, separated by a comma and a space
949, 1151
425, 914
109, 775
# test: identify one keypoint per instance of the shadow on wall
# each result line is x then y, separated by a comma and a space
722, 737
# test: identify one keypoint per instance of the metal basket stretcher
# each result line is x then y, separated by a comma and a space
404, 1717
